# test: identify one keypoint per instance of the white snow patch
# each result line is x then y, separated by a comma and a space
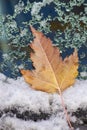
17, 124
38, 5
76, 96
18, 93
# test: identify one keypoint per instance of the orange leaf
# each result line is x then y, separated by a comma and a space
51, 73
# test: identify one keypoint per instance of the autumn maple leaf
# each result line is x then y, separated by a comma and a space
51, 72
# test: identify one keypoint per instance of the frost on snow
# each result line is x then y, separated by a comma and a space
18, 93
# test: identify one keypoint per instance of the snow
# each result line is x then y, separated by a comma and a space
52, 124
18, 93
38, 5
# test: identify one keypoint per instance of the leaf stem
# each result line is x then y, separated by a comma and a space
65, 110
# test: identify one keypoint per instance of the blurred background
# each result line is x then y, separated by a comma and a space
63, 21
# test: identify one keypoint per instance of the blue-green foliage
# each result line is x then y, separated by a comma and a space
65, 22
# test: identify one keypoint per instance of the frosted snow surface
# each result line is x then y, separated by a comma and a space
18, 93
